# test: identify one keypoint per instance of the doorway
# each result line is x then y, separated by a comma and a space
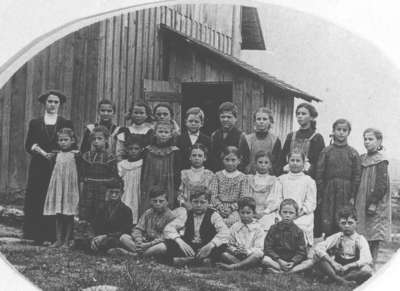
208, 96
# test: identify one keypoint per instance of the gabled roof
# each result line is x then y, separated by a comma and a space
265, 77
252, 35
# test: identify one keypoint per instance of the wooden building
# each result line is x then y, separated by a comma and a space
187, 55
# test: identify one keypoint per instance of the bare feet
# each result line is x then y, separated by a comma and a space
57, 244
179, 262
225, 266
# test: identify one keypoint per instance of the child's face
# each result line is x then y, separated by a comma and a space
288, 213
303, 117
371, 143
139, 114
159, 203
347, 226
227, 119
231, 162
113, 194
99, 141
193, 123
200, 204
52, 104
197, 158
262, 122
65, 141
246, 214
162, 113
106, 112
341, 132
263, 165
163, 133
134, 151
296, 163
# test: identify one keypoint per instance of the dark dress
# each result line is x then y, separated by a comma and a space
311, 143
233, 138
86, 146
184, 144
338, 178
161, 167
36, 226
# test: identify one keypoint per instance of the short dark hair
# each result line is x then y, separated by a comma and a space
291, 202
199, 146
199, 191
134, 139
228, 107
156, 191
346, 212
106, 102
147, 108
341, 121
260, 154
231, 150
247, 201
102, 129
115, 183
166, 105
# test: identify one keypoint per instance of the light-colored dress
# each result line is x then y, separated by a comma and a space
226, 190
63, 192
261, 189
374, 188
130, 172
301, 188
192, 178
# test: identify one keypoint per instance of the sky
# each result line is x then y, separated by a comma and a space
355, 79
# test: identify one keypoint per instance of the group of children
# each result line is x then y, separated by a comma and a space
242, 200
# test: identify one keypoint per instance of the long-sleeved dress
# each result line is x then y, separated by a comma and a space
374, 189
261, 188
301, 188
226, 190
338, 178
36, 226
161, 167
268, 143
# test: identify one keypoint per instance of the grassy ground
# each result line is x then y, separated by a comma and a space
64, 269
52, 269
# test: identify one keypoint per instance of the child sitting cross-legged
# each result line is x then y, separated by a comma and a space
147, 235
204, 235
245, 247
345, 256
285, 245
110, 221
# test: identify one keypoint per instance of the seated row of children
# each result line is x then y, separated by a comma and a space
199, 235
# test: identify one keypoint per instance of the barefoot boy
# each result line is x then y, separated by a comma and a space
245, 247
147, 235
345, 256
285, 246
204, 232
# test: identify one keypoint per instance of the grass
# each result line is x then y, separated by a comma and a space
63, 269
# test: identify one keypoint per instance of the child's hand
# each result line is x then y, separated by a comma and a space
205, 251
371, 209
186, 249
351, 201
94, 245
345, 268
283, 264
290, 265
338, 267
259, 215
140, 248
241, 251
301, 212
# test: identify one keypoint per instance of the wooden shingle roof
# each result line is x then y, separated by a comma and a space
239, 64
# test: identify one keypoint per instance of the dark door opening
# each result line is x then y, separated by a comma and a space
207, 96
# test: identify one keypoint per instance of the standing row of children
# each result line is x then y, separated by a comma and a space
147, 154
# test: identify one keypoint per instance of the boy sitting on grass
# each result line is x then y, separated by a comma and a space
245, 247
345, 256
147, 235
205, 234
110, 222
285, 247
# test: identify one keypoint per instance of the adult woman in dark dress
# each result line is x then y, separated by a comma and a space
40, 143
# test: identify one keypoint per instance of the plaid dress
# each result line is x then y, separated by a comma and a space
97, 168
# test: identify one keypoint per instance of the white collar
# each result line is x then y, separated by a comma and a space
50, 118
197, 170
258, 175
231, 175
194, 134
